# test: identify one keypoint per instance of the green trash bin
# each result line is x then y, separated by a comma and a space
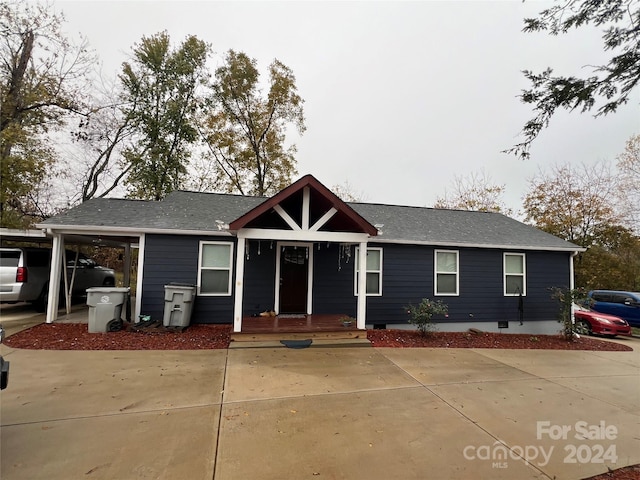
105, 304
178, 304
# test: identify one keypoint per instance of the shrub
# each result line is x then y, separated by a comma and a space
567, 297
422, 315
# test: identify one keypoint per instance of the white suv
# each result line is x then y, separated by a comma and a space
24, 275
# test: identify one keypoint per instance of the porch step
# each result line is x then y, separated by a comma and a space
354, 337
324, 343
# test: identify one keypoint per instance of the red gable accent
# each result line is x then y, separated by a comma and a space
358, 223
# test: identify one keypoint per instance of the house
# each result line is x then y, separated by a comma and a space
303, 250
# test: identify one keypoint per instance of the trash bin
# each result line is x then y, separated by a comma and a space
178, 303
105, 304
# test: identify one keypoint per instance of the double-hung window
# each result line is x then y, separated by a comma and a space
374, 271
446, 272
214, 268
515, 278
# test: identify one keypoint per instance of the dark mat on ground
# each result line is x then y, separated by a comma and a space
297, 343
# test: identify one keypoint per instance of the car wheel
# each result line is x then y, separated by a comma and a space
108, 282
583, 327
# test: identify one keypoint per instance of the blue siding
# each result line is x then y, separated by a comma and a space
333, 281
408, 276
259, 277
172, 258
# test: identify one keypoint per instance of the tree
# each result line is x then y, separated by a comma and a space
475, 192
611, 83
347, 193
42, 78
102, 137
161, 99
245, 130
573, 203
629, 168
578, 205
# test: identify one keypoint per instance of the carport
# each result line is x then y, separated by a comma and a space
59, 238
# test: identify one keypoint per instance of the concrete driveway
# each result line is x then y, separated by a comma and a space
332, 413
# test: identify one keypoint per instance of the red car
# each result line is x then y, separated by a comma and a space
589, 322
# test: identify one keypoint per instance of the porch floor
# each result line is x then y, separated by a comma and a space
316, 326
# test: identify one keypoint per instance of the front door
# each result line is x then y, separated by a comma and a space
294, 274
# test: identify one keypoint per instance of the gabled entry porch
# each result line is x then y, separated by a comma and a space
301, 220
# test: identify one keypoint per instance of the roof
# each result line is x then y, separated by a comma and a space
183, 212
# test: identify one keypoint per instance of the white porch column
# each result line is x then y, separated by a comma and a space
362, 286
141, 247
237, 306
57, 252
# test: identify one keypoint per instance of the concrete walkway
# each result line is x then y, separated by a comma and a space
332, 413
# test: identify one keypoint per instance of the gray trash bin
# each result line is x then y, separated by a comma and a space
105, 304
178, 303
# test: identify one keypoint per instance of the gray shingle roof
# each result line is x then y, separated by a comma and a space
191, 211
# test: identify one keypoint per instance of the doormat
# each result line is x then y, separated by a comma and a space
297, 343
292, 315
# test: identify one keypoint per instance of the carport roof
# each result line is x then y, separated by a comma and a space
183, 212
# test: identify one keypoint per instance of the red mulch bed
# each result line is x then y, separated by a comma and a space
411, 338
75, 336
625, 473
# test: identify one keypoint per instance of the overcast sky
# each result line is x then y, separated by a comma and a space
399, 96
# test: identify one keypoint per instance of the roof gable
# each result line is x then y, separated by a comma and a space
305, 205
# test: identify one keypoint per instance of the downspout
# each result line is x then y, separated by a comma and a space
572, 283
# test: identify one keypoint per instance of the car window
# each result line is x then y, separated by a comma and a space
9, 258
601, 297
38, 258
619, 298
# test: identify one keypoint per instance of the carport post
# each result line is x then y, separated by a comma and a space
54, 277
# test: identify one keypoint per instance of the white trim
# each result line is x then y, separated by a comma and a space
304, 236
229, 291
286, 217
57, 250
323, 220
136, 231
479, 245
306, 200
361, 315
356, 270
239, 286
309, 247
436, 272
523, 274
142, 243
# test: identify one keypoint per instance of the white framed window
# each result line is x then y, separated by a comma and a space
215, 262
515, 274
446, 271
374, 272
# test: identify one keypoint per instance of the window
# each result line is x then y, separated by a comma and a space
214, 269
446, 272
514, 274
374, 271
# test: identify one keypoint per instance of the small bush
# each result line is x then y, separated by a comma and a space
422, 315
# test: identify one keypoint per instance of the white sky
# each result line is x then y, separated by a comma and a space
399, 96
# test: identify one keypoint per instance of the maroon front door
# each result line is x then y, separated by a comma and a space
294, 270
